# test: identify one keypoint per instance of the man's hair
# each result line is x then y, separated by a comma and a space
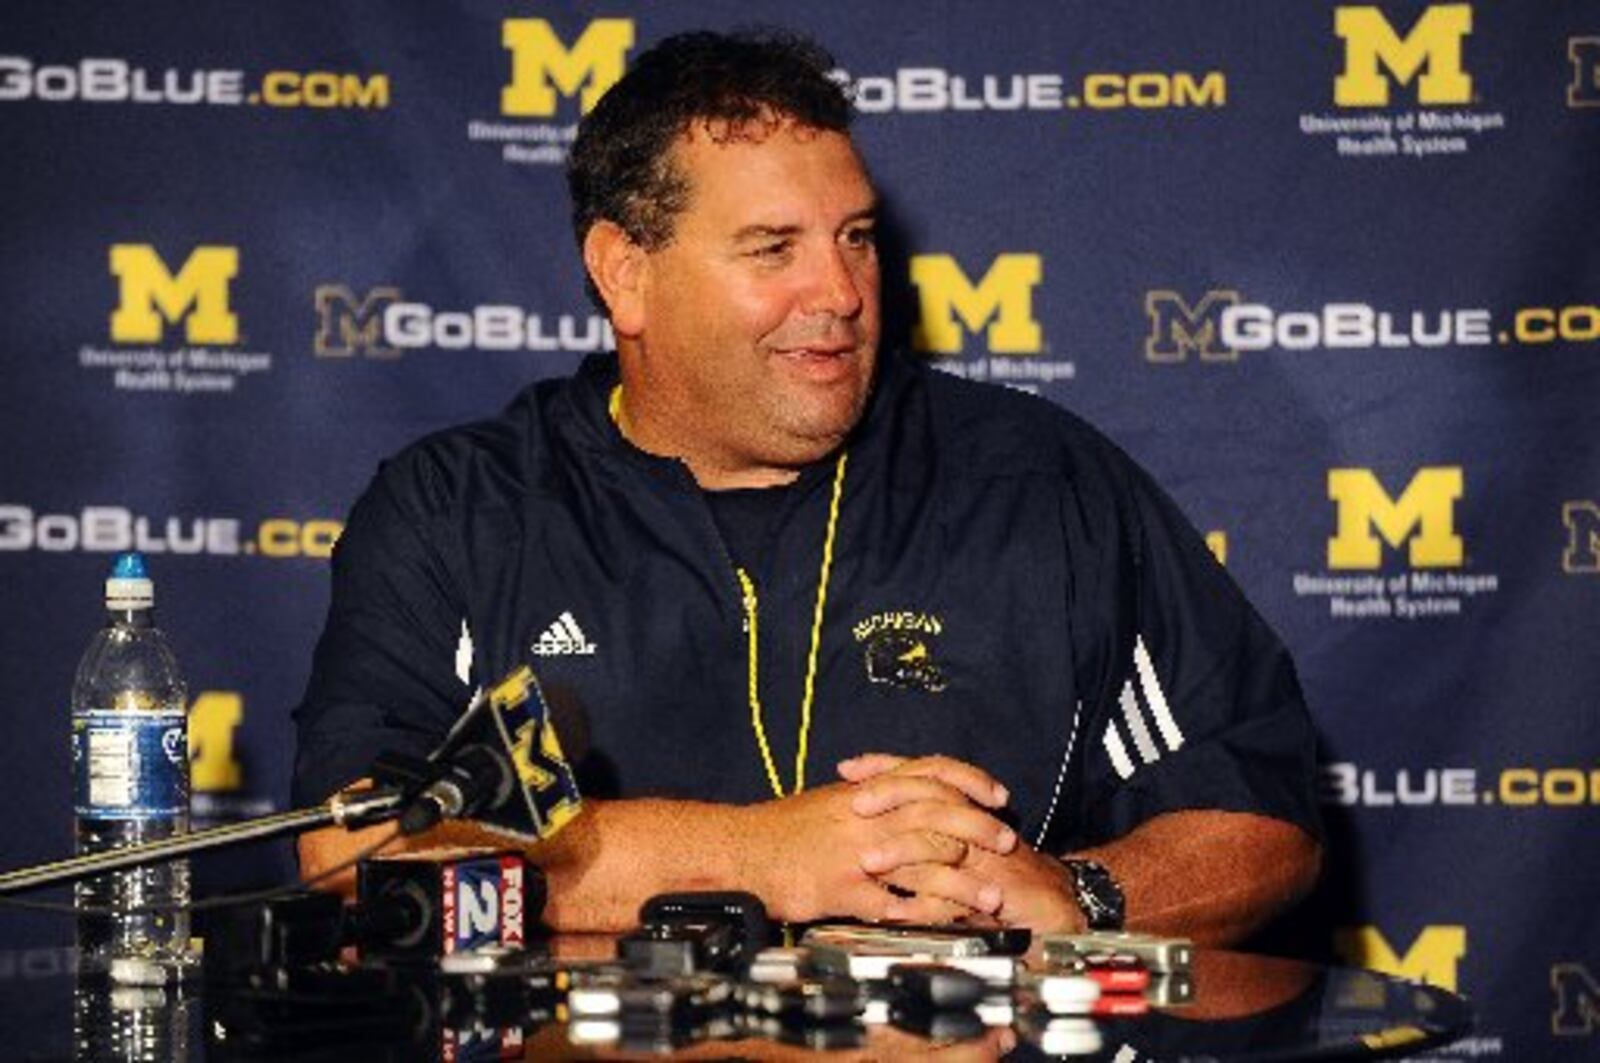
743, 84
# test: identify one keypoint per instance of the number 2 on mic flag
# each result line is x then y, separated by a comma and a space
520, 711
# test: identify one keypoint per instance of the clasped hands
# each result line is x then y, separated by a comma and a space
913, 840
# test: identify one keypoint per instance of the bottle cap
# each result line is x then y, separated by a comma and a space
129, 585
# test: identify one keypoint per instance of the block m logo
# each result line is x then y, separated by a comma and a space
1583, 537
1577, 1011
1434, 42
1002, 300
347, 325
1585, 88
1176, 328
541, 65
1434, 957
1424, 514
151, 296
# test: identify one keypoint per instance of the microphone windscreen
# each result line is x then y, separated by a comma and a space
515, 717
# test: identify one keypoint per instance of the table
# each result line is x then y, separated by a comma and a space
1242, 1007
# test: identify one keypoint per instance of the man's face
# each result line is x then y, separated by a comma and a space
760, 319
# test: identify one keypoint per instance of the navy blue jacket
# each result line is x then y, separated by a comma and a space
1008, 588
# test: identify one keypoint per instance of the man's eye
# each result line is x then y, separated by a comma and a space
863, 237
772, 250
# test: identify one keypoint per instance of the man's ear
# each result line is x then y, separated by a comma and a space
617, 266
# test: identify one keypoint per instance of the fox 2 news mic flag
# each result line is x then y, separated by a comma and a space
509, 772
424, 905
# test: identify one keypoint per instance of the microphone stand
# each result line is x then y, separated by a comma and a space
406, 792
351, 810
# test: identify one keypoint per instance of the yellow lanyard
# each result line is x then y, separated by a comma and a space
809, 695
751, 612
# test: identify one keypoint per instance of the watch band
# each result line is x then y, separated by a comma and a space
1097, 893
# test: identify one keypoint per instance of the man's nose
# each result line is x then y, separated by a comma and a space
837, 283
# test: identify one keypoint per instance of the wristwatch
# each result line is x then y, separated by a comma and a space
1096, 892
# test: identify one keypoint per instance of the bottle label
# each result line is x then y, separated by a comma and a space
130, 765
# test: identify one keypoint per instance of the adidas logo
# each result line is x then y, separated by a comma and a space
1146, 717
563, 638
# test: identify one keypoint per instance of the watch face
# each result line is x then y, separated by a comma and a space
1097, 894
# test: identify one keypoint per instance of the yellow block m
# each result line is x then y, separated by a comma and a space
1434, 42
151, 296
1003, 300
1424, 513
1433, 958
541, 65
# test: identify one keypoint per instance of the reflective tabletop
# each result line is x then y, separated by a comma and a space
1233, 1007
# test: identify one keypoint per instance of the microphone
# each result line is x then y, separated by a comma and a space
502, 766
425, 905
477, 777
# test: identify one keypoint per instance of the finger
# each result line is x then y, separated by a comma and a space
940, 882
962, 822
888, 792
871, 900
923, 911
982, 920
913, 847
868, 765
970, 779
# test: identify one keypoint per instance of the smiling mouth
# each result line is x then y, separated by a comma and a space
820, 365
818, 353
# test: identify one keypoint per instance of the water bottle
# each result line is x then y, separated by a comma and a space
130, 758
114, 1023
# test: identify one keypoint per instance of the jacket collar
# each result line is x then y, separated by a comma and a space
585, 418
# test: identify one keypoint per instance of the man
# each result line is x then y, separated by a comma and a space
753, 551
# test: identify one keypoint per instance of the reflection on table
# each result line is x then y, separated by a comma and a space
1233, 1007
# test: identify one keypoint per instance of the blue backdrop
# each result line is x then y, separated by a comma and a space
1331, 272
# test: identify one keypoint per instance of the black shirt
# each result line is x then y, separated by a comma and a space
1008, 588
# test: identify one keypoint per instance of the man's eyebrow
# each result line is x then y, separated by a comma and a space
758, 232
767, 232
